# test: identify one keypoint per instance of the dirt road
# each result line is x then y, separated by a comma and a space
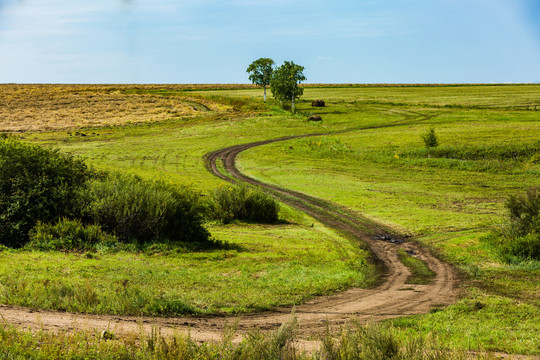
391, 298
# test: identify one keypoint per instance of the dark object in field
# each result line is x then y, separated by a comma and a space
389, 239
318, 103
314, 117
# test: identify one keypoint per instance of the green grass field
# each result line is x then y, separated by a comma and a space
371, 159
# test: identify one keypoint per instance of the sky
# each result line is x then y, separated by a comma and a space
208, 41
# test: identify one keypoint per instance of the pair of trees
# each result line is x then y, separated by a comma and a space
283, 81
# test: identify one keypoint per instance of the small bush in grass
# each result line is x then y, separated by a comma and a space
143, 211
524, 212
243, 203
430, 139
521, 237
523, 247
70, 235
36, 184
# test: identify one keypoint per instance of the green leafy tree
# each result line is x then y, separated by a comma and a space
260, 72
284, 83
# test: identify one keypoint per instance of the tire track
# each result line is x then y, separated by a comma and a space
393, 297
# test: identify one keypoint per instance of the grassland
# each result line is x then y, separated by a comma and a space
447, 199
270, 266
300, 259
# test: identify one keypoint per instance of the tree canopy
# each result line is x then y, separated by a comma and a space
260, 72
285, 80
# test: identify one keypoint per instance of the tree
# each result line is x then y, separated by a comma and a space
285, 80
260, 72
430, 139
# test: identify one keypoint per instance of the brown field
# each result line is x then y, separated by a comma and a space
50, 107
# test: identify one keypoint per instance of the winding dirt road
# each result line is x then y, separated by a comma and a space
391, 298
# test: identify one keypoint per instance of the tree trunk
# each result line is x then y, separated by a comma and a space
292, 102
264, 87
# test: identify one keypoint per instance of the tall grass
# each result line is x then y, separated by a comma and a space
380, 341
356, 342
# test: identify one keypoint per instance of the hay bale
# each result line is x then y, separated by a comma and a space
318, 103
314, 117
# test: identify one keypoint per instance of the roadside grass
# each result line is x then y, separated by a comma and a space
267, 266
479, 322
356, 341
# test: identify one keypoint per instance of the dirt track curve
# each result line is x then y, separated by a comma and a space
391, 298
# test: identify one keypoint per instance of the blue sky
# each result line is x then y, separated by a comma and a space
207, 41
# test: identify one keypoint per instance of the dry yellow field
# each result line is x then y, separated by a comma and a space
50, 107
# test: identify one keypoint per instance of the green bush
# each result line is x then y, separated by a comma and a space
243, 203
524, 213
521, 237
144, 211
36, 184
524, 247
69, 235
430, 139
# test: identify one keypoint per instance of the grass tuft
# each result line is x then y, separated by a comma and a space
420, 272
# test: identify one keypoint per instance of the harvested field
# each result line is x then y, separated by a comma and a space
53, 107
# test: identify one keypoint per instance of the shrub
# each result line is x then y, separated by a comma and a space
144, 211
521, 237
69, 235
524, 247
243, 203
430, 139
524, 213
36, 184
